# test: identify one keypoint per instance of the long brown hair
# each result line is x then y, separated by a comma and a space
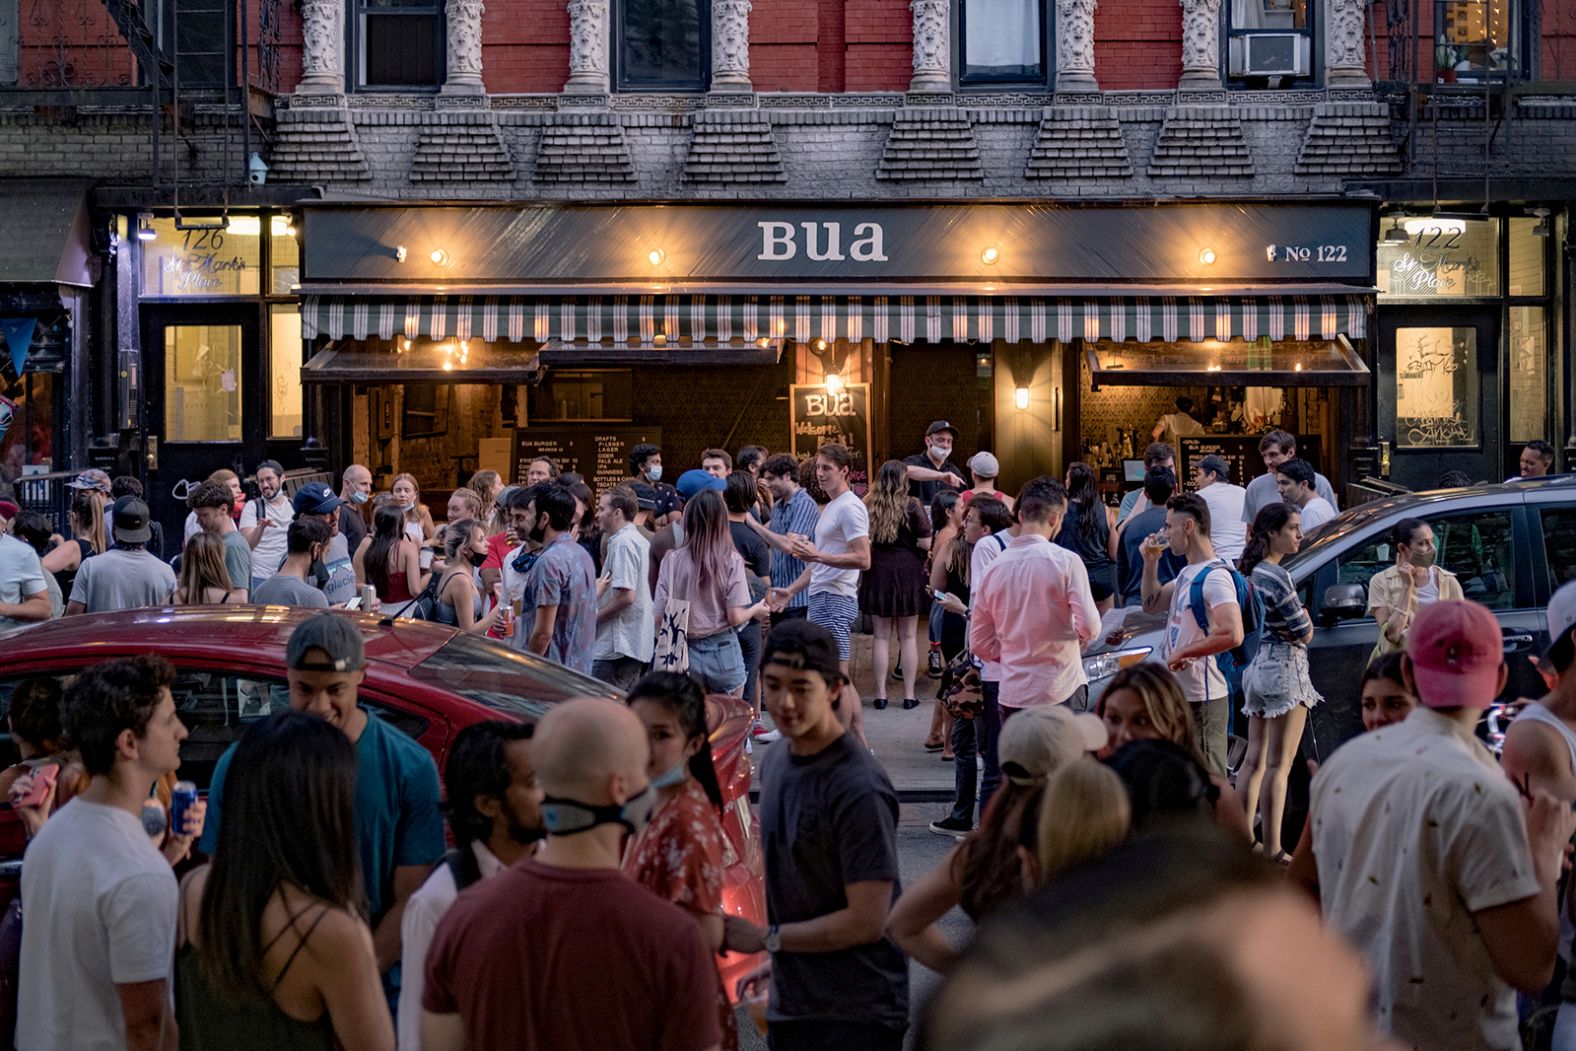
887, 502
1164, 702
708, 540
309, 845
987, 867
202, 567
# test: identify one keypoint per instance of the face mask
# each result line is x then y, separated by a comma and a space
358, 497
674, 776
565, 817
939, 454
407, 508
654, 473
1422, 559
476, 558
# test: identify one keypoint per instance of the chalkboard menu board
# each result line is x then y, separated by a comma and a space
818, 416
1240, 451
597, 452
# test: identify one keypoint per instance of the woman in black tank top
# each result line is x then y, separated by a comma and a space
272, 951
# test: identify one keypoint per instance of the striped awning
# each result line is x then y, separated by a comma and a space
906, 319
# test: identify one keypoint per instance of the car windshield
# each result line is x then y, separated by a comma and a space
500, 678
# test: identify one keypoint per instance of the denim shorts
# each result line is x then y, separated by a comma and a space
717, 661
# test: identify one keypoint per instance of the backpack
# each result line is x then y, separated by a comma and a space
1233, 662
424, 606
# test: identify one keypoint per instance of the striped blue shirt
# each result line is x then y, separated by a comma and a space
798, 515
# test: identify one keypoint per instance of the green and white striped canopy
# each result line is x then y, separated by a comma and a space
801, 318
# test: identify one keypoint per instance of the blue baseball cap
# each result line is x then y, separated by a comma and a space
696, 481
315, 498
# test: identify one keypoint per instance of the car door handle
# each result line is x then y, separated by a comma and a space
1517, 643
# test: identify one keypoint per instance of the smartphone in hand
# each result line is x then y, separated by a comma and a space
44, 778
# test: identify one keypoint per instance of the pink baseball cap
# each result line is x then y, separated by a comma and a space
1457, 650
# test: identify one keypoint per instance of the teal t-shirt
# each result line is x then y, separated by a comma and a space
397, 818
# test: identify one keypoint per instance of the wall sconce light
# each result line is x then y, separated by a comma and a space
1020, 397
656, 256
145, 230
820, 344
439, 257
990, 255
399, 253
1206, 256
1541, 227
834, 382
1396, 235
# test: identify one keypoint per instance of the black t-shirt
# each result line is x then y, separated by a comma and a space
352, 526
828, 820
757, 556
1130, 555
926, 491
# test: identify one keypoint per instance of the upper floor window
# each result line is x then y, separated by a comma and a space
1269, 43
1002, 41
398, 43
1475, 40
201, 34
662, 45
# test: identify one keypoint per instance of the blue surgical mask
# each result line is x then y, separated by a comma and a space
407, 508
358, 497
654, 473
671, 777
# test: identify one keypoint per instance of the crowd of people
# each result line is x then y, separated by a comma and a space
1104, 847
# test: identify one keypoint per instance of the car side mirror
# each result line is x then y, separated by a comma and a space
1344, 602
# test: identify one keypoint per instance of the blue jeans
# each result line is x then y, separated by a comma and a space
717, 661
986, 733
965, 778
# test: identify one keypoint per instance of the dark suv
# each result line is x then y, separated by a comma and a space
1510, 545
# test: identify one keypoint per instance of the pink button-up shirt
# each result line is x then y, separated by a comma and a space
1032, 611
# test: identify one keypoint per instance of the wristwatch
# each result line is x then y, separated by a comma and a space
773, 940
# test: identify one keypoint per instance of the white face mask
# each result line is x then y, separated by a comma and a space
654, 472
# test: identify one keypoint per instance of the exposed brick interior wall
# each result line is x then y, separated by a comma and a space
1138, 44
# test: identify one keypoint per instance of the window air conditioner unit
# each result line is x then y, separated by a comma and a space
1270, 55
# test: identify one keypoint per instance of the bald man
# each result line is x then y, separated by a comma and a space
577, 926
355, 488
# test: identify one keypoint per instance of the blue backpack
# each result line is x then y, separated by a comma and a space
1233, 662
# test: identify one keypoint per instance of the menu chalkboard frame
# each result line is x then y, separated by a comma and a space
573, 447
1243, 448
807, 437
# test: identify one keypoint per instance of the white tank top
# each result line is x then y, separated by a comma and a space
1537, 713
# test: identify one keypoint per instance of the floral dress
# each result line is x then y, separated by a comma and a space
680, 857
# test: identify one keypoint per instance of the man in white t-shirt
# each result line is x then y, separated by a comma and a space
24, 593
624, 641
1296, 481
495, 813
1275, 448
1428, 861
264, 522
1189, 650
841, 549
1212, 477
99, 940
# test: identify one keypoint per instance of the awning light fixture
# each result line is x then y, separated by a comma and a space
1206, 256
439, 257
656, 256
145, 230
990, 255
1396, 235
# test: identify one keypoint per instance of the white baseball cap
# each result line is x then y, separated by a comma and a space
1562, 620
985, 465
1041, 738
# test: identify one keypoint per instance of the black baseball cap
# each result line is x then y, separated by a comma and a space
130, 521
335, 636
806, 645
941, 425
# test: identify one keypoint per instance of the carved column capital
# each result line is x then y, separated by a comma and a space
1345, 62
464, 18
1075, 45
1200, 44
588, 33
322, 47
932, 46
730, 45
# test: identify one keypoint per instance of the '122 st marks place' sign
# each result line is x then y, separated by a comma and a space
668, 247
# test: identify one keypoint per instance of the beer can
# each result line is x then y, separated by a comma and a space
369, 597
182, 798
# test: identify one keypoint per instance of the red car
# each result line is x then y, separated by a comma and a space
429, 680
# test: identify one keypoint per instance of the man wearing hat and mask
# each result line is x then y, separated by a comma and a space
127, 575
333, 575
398, 828
1430, 860
933, 469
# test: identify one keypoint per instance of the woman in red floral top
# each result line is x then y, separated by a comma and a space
680, 855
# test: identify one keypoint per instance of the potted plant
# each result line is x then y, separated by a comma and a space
1445, 59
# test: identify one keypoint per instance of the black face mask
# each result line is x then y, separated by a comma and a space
476, 558
566, 817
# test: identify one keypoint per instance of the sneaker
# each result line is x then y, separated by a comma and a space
934, 663
948, 826
760, 733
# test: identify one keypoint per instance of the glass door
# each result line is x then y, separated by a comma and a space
1439, 394
202, 371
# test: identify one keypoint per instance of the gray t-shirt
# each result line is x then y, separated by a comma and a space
122, 579
238, 559
282, 590
21, 575
1262, 490
341, 585
828, 820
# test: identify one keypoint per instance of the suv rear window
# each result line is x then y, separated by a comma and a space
503, 679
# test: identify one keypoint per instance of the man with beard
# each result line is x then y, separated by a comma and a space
556, 613
1415, 581
495, 813
264, 522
